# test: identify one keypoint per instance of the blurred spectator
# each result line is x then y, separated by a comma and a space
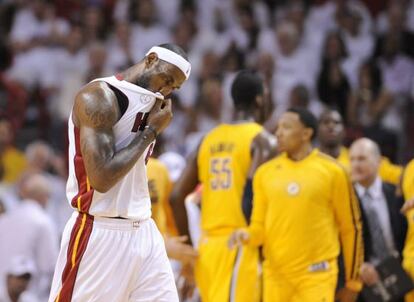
300, 98
297, 13
359, 44
209, 109
398, 77
333, 85
290, 62
93, 24
208, 112
146, 32
393, 22
368, 103
42, 159
210, 66
70, 64
36, 24
397, 69
357, 7
168, 12
119, 47
232, 62
97, 63
250, 30
12, 159
18, 275
186, 35
29, 231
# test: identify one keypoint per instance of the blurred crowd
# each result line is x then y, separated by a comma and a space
356, 57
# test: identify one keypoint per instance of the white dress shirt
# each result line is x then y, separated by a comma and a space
379, 205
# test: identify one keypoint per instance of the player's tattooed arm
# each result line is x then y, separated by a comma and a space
95, 113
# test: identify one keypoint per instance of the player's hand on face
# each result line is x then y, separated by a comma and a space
238, 238
160, 115
408, 205
346, 295
177, 249
369, 274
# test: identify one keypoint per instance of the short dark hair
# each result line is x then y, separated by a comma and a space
175, 48
246, 86
307, 118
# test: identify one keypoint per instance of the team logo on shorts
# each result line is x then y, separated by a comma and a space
145, 99
293, 189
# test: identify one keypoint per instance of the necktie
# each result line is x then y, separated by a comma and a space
379, 245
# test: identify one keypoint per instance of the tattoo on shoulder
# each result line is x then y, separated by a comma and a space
97, 117
98, 109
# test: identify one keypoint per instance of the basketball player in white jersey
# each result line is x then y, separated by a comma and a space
111, 250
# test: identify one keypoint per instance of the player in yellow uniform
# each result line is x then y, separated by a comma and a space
303, 204
331, 136
223, 164
408, 252
159, 184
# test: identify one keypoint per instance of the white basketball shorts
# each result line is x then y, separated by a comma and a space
112, 260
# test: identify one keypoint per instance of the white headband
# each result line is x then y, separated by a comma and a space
172, 58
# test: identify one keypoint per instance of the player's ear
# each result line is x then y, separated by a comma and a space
151, 59
259, 101
307, 133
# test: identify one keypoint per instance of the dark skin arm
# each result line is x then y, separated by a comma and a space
95, 113
186, 184
263, 149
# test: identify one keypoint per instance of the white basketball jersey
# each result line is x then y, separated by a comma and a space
129, 197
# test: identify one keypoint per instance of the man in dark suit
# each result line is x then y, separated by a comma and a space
384, 227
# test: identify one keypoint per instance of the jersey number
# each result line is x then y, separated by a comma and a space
221, 174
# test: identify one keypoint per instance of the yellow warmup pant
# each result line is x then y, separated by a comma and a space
224, 275
316, 286
408, 264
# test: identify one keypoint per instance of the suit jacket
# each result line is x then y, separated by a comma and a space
398, 221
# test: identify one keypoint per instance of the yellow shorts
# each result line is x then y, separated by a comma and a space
408, 264
224, 275
317, 286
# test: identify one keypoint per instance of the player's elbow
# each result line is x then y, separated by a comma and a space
100, 185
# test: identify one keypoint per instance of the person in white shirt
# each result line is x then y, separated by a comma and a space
19, 274
28, 230
384, 226
42, 159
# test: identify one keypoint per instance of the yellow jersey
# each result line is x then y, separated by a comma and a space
223, 163
14, 164
388, 171
408, 191
300, 210
160, 185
